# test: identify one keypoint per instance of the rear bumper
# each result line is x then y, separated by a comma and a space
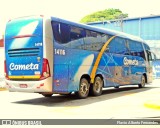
30, 86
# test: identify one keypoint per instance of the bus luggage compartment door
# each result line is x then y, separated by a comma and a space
60, 80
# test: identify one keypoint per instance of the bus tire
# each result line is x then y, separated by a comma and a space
83, 89
143, 81
96, 88
47, 95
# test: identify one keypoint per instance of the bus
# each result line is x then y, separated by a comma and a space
49, 55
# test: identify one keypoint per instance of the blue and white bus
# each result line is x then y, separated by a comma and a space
49, 55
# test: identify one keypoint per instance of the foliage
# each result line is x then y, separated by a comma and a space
107, 14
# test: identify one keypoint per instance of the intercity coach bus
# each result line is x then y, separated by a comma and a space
49, 55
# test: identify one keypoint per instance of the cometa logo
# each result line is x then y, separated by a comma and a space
130, 61
30, 66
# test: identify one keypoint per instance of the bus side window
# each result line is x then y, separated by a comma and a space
93, 41
61, 32
65, 33
127, 52
77, 35
105, 38
56, 33
111, 47
118, 46
132, 47
136, 49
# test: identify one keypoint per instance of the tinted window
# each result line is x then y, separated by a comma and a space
118, 46
76, 33
146, 47
61, 32
93, 41
79, 38
56, 31
136, 48
67, 35
76, 38
105, 38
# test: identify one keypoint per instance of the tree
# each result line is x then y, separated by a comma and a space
107, 14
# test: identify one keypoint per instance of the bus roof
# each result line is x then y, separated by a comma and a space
101, 30
96, 29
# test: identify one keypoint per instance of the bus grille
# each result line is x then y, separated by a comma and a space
23, 52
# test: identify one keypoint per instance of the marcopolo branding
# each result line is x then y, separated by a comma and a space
127, 61
30, 66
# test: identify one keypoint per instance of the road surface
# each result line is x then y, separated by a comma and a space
127, 102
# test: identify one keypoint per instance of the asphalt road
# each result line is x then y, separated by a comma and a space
127, 102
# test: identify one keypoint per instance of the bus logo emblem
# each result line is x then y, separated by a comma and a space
127, 61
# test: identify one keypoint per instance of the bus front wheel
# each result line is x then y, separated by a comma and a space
83, 88
143, 81
96, 88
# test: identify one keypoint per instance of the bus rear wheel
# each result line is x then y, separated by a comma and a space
83, 88
96, 88
143, 82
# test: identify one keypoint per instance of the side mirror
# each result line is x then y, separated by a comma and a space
151, 56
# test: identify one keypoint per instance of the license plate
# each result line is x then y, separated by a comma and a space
23, 85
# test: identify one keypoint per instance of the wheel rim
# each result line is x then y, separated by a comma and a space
84, 89
97, 86
143, 81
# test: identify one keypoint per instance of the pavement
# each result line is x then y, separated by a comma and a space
127, 102
151, 103
2, 85
154, 103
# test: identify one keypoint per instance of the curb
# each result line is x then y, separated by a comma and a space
155, 104
3, 89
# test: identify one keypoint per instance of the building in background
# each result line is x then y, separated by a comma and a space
148, 28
